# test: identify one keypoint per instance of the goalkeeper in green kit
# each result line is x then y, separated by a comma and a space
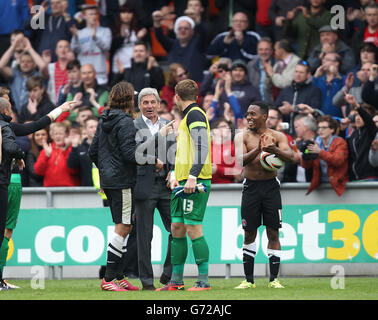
191, 183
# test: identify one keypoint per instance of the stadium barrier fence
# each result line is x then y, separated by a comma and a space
66, 231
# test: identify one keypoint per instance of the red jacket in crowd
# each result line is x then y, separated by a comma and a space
54, 169
337, 166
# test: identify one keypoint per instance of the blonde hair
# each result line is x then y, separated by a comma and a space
56, 125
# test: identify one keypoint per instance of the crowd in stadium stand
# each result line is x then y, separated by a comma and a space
322, 82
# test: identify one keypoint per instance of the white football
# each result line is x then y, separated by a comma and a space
270, 161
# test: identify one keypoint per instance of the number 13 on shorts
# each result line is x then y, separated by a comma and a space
187, 206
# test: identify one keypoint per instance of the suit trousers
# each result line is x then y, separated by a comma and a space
144, 212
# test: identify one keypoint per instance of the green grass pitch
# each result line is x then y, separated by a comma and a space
314, 288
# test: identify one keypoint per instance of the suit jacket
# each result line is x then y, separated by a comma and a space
149, 148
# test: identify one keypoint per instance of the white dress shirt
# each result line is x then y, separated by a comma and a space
154, 127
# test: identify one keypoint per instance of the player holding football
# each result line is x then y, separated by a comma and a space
261, 196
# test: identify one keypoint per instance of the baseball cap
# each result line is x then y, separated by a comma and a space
327, 28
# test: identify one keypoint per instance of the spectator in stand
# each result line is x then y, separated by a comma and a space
38, 139
330, 42
84, 113
305, 132
368, 54
57, 27
108, 10
281, 74
256, 71
275, 122
176, 73
370, 91
356, 91
238, 43
227, 10
90, 93
264, 25
373, 152
368, 31
38, 104
57, 72
355, 15
52, 161
223, 161
74, 81
329, 80
331, 164
125, 34
359, 143
241, 89
231, 109
13, 16
92, 44
19, 75
206, 106
19, 48
144, 70
216, 71
277, 13
189, 46
195, 10
299, 95
304, 26
79, 158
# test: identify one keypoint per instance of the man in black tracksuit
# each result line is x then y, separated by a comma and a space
10, 150
113, 152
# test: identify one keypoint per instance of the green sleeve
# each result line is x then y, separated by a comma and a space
103, 99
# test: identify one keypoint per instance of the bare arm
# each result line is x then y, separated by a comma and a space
41, 64
283, 150
243, 156
4, 69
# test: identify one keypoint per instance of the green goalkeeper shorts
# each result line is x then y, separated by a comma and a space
14, 201
190, 210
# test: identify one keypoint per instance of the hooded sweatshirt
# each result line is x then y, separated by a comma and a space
113, 150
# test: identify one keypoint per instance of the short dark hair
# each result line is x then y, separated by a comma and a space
217, 121
90, 118
141, 43
264, 106
285, 45
34, 81
305, 64
369, 47
84, 108
332, 123
72, 64
279, 113
371, 5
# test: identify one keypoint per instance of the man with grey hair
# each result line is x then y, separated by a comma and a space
305, 130
10, 150
155, 157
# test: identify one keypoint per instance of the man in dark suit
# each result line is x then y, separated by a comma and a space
155, 157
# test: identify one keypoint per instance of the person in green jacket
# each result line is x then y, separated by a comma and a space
303, 24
